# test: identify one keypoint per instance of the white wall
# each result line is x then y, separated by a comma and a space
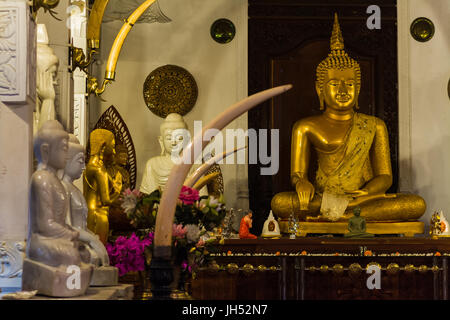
220, 71
424, 70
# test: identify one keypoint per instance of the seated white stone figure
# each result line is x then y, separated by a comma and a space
77, 216
52, 246
157, 169
77, 210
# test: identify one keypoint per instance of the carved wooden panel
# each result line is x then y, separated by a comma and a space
287, 39
17, 53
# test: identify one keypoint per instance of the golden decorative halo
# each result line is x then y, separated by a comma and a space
170, 89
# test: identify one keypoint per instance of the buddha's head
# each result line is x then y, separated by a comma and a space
51, 145
357, 211
76, 160
338, 76
173, 134
47, 62
121, 154
102, 143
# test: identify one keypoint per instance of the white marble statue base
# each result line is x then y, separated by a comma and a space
53, 282
105, 277
119, 292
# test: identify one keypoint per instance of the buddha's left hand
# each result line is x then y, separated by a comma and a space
358, 193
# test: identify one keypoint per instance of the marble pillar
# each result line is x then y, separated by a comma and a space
17, 101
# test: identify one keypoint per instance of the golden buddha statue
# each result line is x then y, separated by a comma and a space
354, 167
117, 163
100, 189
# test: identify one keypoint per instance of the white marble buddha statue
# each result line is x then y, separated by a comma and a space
77, 216
52, 246
172, 139
47, 67
77, 211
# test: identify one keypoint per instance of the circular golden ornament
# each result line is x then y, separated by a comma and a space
248, 269
214, 267
393, 268
409, 268
262, 268
423, 269
232, 268
422, 29
170, 89
338, 269
323, 268
355, 268
273, 269
435, 269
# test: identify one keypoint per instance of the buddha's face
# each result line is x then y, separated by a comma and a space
58, 153
121, 158
54, 72
339, 89
75, 166
173, 141
110, 149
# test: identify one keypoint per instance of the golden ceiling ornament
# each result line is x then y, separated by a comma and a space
170, 89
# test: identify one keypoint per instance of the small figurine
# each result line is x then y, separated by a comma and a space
293, 226
357, 226
271, 229
439, 226
246, 224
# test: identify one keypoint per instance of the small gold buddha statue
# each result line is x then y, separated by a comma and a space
118, 220
117, 163
354, 167
100, 189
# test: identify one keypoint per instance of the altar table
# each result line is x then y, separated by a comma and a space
326, 268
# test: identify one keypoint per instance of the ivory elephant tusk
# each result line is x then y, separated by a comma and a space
95, 22
203, 181
121, 36
204, 167
166, 212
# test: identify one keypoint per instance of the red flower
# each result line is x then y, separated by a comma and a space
188, 195
368, 253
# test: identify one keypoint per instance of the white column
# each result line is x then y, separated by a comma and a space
17, 96
78, 22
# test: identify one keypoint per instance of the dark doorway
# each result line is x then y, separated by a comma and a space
287, 40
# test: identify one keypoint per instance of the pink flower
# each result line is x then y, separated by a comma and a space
188, 195
127, 254
200, 243
178, 231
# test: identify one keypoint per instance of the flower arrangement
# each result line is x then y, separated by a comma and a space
127, 254
196, 217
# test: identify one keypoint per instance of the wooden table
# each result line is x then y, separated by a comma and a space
326, 268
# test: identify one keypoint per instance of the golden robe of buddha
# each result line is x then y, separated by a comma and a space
100, 189
354, 167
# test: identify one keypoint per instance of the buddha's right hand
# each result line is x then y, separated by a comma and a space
117, 183
305, 191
